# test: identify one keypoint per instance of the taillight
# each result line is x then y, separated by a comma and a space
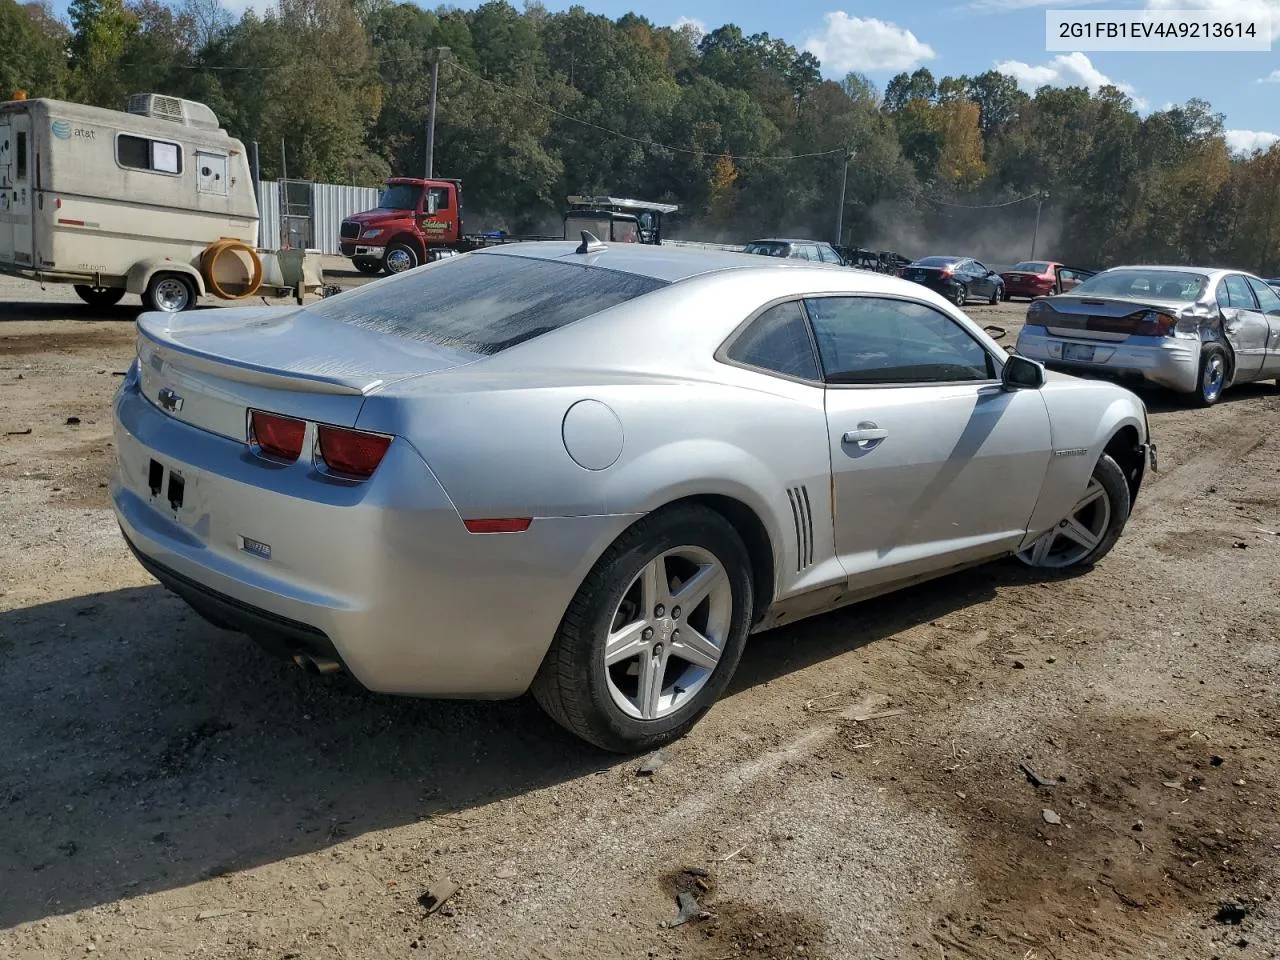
1158, 324
276, 436
351, 453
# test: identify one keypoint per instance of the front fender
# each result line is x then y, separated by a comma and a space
1084, 417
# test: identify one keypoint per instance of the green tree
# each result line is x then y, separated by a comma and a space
33, 42
101, 31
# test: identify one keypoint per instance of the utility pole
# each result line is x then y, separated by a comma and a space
1036, 235
257, 187
844, 182
284, 197
431, 114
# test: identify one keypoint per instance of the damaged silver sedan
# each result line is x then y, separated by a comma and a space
1195, 331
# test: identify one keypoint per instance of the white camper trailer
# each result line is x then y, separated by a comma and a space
131, 202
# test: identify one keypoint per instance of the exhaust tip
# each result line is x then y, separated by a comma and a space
316, 664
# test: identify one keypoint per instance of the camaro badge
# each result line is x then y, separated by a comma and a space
256, 547
1071, 452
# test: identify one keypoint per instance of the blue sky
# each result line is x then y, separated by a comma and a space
882, 38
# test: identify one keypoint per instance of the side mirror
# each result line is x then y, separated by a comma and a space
1022, 374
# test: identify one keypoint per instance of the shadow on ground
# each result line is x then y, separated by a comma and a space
145, 749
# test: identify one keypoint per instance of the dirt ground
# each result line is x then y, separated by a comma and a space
167, 790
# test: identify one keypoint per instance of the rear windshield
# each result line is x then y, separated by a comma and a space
1031, 266
1146, 284
483, 303
769, 249
936, 262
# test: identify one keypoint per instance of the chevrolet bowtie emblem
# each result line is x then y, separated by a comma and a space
169, 400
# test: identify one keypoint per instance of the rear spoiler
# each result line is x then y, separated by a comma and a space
154, 327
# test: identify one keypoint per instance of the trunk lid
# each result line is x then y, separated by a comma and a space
209, 367
925, 274
1110, 319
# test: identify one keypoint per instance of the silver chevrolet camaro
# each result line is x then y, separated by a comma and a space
591, 471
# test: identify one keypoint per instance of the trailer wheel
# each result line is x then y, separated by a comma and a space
169, 293
99, 296
400, 257
370, 267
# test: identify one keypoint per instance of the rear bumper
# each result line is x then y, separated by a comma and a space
946, 288
1014, 289
1170, 362
381, 576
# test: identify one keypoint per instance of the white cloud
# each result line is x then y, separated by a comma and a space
698, 25
1235, 9
1247, 141
1272, 77
1065, 70
857, 43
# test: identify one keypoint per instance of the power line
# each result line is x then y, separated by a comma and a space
453, 64
984, 206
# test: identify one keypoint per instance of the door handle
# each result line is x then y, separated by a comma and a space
866, 433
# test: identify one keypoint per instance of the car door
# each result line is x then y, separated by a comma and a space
933, 464
1269, 304
1245, 326
985, 284
1068, 279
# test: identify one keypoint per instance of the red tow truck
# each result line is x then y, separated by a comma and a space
417, 221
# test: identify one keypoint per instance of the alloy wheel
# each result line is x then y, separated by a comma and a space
1215, 373
1076, 536
668, 633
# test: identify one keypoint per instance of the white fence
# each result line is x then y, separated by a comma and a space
329, 204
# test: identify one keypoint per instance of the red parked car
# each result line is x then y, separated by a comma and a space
1041, 278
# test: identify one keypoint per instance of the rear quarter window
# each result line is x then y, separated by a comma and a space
484, 303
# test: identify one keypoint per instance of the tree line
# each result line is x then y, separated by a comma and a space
741, 130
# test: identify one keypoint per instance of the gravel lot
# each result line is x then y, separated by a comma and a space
168, 790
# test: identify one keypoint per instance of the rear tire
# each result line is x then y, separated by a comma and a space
1093, 526
995, 297
99, 296
370, 267
961, 295
628, 595
1213, 376
169, 293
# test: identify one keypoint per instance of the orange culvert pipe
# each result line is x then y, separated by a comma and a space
209, 261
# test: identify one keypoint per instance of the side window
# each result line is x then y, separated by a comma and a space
437, 199
777, 340
1223, 298
20, 158
829, 254
141, 153
1238, 291
979, 268
870, 340
1268, 299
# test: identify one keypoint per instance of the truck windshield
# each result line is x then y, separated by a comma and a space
400, 196
483, 303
